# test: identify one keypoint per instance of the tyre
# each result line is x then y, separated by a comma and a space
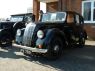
6, 42
81, 42
9, 41
55, 49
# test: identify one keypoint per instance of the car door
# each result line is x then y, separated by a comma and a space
70, 30
78, 24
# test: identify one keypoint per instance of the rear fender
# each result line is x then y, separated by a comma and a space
85, 34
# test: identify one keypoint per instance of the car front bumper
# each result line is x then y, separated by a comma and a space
33, 49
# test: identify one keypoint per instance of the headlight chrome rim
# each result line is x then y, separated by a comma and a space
40, 34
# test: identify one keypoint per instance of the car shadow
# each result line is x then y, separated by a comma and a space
73, 59
8, 52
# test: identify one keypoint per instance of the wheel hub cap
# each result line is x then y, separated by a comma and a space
56, 47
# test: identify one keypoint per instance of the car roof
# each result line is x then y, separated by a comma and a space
73, 12
22, 14
68, 12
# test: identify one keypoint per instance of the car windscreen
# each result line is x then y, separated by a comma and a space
16, 18
54, 17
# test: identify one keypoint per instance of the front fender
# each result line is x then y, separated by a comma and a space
51, 33
44, 41
18, 25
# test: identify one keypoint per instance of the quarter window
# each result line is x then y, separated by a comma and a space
70, 18
77, 19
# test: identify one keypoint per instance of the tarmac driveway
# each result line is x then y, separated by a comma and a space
74, 59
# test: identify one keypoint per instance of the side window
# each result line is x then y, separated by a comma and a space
70, 18
77, 19
27, 19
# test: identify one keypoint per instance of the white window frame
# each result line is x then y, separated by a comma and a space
92, 9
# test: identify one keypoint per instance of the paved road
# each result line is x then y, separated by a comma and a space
75, 59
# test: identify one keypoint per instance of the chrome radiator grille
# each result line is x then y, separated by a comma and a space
27, 38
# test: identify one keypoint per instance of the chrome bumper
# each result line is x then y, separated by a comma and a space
31, 48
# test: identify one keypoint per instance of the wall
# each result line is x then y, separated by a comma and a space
52, 7
76, 5
36, 8
72, 5
90, 28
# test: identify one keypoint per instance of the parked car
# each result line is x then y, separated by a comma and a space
8, 28
52, 34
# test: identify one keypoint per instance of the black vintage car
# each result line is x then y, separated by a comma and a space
52, 34
8, 28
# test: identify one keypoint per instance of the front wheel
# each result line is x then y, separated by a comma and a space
55, 48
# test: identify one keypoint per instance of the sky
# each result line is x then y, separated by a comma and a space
9, 7
43, 7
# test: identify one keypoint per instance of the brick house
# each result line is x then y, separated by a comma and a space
84, 7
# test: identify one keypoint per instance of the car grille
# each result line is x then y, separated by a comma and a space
27, 38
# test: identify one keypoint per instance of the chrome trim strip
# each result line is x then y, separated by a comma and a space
31, 48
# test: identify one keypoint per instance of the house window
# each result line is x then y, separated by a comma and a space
94, 12
88, 11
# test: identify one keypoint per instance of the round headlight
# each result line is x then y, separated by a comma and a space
18, 32
40, 34
0, 30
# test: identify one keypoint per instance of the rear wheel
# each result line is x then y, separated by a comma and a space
54, 48
81, 42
